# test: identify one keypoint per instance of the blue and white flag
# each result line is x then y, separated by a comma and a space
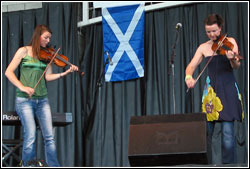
123, 38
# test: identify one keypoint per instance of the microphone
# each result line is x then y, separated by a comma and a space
178, 26
110, 61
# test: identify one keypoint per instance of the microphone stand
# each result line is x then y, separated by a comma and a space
93, 112
99, 81
99, 86
171, 66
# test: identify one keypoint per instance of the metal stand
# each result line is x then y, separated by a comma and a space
173, 84
9, 150
171, 65
99, 102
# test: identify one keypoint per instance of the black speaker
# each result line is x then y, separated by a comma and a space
166, 140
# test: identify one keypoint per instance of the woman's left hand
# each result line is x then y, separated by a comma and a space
230, 54
72, 68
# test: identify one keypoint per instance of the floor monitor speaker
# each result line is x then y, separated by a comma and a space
167, 140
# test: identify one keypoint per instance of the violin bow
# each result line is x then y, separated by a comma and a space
46, 68
220, 44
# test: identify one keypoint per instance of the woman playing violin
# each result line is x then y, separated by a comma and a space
221, 99
30, 103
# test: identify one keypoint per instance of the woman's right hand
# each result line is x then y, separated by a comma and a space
190, 83
28, 90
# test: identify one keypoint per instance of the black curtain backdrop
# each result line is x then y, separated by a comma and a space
99, 133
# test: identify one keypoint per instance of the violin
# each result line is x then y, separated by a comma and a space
60, 60
222, 45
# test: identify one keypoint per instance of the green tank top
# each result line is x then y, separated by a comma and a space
30, 73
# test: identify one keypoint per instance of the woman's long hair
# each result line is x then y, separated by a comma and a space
35, 41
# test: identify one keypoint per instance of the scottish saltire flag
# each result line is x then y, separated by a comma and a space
123, 37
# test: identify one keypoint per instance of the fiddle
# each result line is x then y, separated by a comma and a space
60, 60
222, 45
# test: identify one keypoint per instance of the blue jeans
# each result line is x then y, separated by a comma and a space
28, 110
228, 140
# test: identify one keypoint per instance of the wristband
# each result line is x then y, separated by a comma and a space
188, 77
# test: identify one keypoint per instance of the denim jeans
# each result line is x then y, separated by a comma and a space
228, 140
29, 109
